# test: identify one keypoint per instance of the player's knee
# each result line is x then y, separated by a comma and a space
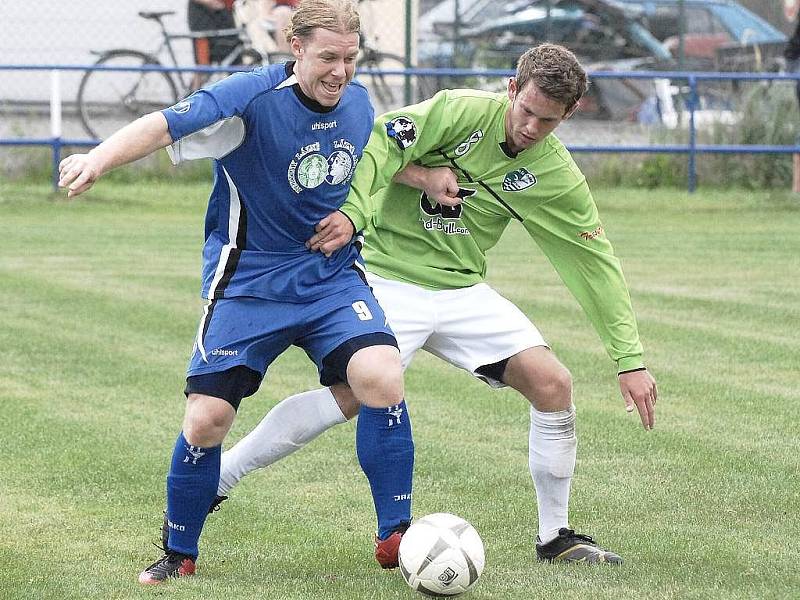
376, 377
382, 388
207, 420
554, 391
345, 399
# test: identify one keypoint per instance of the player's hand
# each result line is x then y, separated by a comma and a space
441, 185
639, 391
333, 232
212, 4
78, 173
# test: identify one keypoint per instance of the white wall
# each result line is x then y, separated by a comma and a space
66, 31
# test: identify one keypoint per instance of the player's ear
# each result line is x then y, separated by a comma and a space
571, 111
512, 88
296, 44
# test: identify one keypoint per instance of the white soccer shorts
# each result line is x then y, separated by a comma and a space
467, 327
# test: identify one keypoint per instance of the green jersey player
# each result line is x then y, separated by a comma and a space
427, 262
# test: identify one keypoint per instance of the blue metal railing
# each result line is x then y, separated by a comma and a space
691, 148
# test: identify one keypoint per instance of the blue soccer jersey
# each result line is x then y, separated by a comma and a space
282, 163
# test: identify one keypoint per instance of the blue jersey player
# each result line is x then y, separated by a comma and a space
285, 140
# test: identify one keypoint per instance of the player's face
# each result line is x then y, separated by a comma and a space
326, 62
532, 116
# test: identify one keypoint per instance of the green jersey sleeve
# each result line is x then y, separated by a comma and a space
568, 230
399, 138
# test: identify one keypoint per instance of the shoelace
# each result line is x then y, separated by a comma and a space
162, 565
570, 533
215, 506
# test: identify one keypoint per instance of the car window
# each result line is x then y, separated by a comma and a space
714, 18
702, 20
664, 22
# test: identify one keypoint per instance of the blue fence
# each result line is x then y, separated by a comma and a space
691, 148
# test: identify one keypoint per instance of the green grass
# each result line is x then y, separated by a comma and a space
99, 304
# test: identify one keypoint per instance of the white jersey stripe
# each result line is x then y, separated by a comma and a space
288, 82
234, 214
199, 340
360, 268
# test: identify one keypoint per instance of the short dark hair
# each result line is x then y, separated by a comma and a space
555, 71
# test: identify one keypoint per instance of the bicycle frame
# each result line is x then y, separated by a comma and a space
167, 38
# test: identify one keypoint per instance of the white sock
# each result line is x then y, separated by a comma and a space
551, 458
289, 426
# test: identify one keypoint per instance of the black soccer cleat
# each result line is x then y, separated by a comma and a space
171, 565
571, 547
165, 523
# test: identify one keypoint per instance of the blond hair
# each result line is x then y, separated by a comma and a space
340, 16
555, 71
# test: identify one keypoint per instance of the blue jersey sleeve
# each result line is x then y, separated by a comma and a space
209, 123
223, 99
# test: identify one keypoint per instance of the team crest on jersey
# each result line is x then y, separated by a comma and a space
310, 168
312, 171
181, 107
474, 138
403, 131
518, 180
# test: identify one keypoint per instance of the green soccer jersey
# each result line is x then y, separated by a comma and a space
412, 239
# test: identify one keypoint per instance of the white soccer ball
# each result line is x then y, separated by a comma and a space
441, 555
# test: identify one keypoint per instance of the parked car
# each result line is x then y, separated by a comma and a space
718, 34
603, 34
595, 29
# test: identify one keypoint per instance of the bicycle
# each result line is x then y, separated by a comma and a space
108, 99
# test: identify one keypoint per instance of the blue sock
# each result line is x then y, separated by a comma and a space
191, 487
385, 451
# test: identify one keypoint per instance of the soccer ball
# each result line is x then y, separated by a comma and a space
441, 555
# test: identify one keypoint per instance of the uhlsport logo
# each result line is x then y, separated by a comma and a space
323, 125
403, 131
224, 352
310, 168
181, 107
518, 180
474, 138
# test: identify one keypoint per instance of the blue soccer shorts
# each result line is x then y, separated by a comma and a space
252, 332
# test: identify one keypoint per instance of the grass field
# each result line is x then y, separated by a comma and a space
99, 307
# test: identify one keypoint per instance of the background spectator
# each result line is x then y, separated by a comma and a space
210, 15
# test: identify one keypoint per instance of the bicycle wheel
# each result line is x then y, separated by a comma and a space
386, 90
107, 100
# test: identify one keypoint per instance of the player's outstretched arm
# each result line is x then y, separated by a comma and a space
136, 140
438, 183
639, 390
